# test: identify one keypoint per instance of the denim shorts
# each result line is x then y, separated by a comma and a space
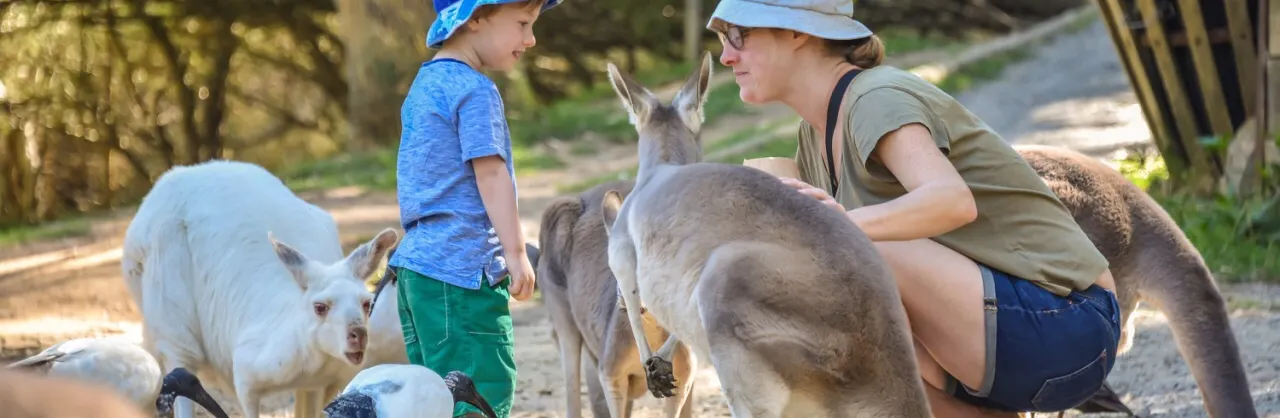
1050, 353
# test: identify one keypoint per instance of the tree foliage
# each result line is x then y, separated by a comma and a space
99, 97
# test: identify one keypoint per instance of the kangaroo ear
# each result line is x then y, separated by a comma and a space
293, 260
692, 96
612, 204
638, 100
364, 259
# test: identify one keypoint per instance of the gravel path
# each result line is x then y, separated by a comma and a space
1074, 93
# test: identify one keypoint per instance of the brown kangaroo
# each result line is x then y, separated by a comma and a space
588, 321
791, 303
1152, 260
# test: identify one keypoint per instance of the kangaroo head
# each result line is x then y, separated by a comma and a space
668, 133
339, 304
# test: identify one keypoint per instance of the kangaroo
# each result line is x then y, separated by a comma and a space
791, 303
580, 294
1153, 261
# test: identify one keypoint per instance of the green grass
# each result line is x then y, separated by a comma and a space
1238, 237
77, 226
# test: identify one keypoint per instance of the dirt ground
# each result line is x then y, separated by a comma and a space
1074, 94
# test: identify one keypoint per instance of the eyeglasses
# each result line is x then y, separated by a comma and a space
733, 35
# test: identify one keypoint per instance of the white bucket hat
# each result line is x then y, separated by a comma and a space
827, 19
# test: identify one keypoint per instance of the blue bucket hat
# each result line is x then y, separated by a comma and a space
451, 14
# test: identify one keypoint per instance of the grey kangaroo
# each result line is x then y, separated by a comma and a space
1153, 261
791, 303
588, 322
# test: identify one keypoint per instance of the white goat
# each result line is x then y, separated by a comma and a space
121, 365
218, 292
406, 391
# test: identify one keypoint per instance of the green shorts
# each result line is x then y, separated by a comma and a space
449, 328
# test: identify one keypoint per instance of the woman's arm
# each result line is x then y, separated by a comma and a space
937, 199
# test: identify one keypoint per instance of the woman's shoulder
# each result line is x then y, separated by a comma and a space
887, 75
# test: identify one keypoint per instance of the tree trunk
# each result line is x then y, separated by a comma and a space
692, 30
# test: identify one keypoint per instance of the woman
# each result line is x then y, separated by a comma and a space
1011, 306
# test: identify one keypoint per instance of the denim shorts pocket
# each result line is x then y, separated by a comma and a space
1064, 392
1108, 308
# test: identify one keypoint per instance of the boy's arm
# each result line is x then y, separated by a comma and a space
500, 203
482, 130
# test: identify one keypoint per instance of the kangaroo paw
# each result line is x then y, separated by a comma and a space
660, 376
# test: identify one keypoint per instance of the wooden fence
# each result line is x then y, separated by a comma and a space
1199, 68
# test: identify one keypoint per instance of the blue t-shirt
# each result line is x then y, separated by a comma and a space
451, 115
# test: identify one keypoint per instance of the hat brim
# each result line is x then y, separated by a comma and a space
758, 15
451, 18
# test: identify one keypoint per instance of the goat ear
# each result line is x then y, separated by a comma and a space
364, 259
693, 95
612, 204
638, 100
292, 259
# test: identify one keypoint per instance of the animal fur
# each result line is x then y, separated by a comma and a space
237, 277
589, 324
791, 303
1152, 261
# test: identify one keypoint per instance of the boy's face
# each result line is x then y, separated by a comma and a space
500, 38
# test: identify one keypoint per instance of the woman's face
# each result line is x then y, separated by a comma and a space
760, 64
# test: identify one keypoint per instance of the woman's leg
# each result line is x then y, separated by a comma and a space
1052, 351
942, 404
942, 292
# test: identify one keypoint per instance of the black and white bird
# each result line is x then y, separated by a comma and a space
123, 366
405, 391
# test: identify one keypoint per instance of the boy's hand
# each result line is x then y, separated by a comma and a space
522, 277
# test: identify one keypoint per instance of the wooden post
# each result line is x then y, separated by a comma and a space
1215, 103
1179, 103
1272, 118
1127, 48
1242, 46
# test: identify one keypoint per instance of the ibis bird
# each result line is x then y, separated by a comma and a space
405, 391
124, 366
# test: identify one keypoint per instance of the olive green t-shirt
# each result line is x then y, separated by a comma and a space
1021, 229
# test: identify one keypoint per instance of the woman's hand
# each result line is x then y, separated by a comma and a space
814, 192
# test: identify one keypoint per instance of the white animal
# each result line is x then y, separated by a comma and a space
123, 366
236, 276
405, 391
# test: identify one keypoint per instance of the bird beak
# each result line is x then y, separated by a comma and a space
205, 400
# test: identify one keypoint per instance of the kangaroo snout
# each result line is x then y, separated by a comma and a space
357, 337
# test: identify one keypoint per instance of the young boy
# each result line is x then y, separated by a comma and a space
457, 194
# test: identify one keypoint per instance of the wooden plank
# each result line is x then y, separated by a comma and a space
1179, 103
1242, 45
1274, 5
1272, 72
1273, 96
1215, 103
1128, 50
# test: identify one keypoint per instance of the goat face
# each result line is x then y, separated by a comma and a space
336, 295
